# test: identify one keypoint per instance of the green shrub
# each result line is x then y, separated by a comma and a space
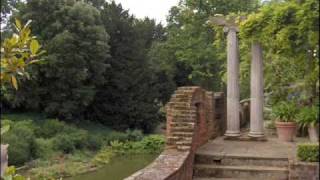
308, 116
129, 135
50, 128
11, 174
153, 143
103, 156
308, 152
149, 144
70, 139
64, 142
115, 135
5, 122
94, 142
79, 136
21, 142
134, 135
43, 148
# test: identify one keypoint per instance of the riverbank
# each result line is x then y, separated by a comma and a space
51, 149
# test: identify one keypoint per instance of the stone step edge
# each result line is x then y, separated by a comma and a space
241, 156
216, 178
244, 168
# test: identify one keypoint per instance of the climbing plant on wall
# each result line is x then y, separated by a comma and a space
289, 32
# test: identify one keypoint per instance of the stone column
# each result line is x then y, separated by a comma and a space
257, 99
233, 104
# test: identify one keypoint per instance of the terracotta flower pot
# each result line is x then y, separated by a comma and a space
286, 130
313, 132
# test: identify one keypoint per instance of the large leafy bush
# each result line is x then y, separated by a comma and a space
71, 139
21, 142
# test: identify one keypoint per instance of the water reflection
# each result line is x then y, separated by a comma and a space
119, 168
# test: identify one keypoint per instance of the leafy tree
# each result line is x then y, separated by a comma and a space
193, 45
128, 99
77, 46
7, 6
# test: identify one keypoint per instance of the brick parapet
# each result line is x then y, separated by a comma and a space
190, 123
303, 170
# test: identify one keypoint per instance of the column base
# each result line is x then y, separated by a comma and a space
256, 134
232, 133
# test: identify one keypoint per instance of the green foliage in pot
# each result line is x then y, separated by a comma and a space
308, 116
284, 111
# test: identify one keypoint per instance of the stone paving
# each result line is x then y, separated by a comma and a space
272, 148
225, 158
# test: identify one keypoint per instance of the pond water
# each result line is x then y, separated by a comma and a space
119, 168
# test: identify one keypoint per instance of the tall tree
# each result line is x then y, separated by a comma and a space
77, 48
128, 100
194, 52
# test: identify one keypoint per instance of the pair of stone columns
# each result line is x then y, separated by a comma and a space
233, 90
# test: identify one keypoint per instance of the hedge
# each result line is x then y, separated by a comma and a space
308, 152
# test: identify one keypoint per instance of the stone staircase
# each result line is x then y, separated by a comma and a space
209, 166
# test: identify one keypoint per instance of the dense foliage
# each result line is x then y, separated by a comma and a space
129, 98
308, 116
103, 64
150, 144
96, 65
42, 145
308, 152
17, 53
289, 32
194, 52
38, 137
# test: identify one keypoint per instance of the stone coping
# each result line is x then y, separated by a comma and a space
166, 165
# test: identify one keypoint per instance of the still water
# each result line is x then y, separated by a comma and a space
118, 169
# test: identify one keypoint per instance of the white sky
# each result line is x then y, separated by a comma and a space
155, 9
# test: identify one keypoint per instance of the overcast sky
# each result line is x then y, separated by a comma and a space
155, 9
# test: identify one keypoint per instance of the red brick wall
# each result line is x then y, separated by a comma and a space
191, 122
304, 171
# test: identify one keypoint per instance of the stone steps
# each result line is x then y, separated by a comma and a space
219, 159
245, 171
222, 179
247, 166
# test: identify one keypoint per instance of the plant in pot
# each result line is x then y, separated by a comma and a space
308, 117
284, 114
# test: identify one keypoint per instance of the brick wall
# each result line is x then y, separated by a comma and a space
303, 170
192, 119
